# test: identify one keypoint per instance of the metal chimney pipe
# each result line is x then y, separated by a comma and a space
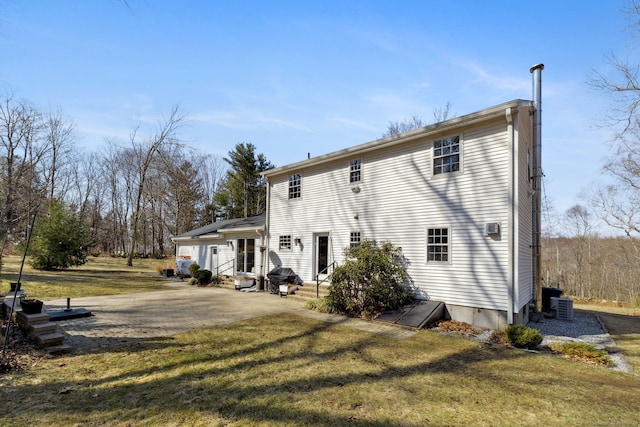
536, 70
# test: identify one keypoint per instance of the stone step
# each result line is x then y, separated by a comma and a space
49, 340
27, 320
43, 328
59, 349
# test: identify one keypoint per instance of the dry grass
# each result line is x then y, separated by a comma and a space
291, 371
623, 323
100, 276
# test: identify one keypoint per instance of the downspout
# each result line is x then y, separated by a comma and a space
267, 232
262, 233
536, 70
512, 217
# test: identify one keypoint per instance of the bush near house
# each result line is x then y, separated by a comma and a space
203, 276
370, 281
193, 268
524, 337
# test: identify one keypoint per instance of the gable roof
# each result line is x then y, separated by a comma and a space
426, 131
219, 228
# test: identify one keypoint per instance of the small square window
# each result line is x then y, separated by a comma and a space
285, 242
438, 245
295, 186
355, 170
355, 239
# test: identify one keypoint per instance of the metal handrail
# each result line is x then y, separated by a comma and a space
219, 271
324, 270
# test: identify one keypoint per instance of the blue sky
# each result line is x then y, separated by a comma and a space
298, 77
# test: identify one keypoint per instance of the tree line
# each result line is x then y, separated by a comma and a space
130, 197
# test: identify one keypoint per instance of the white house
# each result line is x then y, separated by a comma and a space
456, 196
231, 247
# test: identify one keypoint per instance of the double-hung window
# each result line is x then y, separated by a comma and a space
295, 186
438, 244
446, 155
355, 239
355, 171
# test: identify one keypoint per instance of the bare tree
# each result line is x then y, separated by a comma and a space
580, 224
416, 122
617, 203
144, 154
59, 134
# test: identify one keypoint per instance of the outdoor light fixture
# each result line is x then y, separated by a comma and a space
296, 241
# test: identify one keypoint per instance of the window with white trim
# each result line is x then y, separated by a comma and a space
438, 244
355, 239
295, 186
446, 155
355, 170
285, 243
245, 255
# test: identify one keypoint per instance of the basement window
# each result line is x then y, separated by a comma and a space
438, 245
446, 155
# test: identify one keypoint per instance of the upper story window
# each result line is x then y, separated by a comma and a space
295, 186
355, 170
438, 245
355, 239
285, 242
446, 155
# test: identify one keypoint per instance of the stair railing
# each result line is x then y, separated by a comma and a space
327, 278
221, 268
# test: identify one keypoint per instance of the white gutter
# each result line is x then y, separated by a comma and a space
431, 131
199, 237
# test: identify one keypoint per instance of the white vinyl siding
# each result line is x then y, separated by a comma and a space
400, 198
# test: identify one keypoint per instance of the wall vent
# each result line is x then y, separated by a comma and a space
492, 228
562, 308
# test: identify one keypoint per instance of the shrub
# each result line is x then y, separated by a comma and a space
371, 280
203, 276
583, 352
193, 268
323, 305
524, 337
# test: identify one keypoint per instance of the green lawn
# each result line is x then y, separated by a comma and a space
99, 276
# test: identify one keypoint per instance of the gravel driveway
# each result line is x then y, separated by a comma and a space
585, 327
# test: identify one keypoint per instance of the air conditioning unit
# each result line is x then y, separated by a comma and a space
562, 308
492, 228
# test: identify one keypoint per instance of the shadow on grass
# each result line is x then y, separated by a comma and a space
256, 373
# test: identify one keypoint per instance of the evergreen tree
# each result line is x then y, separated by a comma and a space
60, 240
243, 192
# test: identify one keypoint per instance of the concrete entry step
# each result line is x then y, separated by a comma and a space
48, 340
